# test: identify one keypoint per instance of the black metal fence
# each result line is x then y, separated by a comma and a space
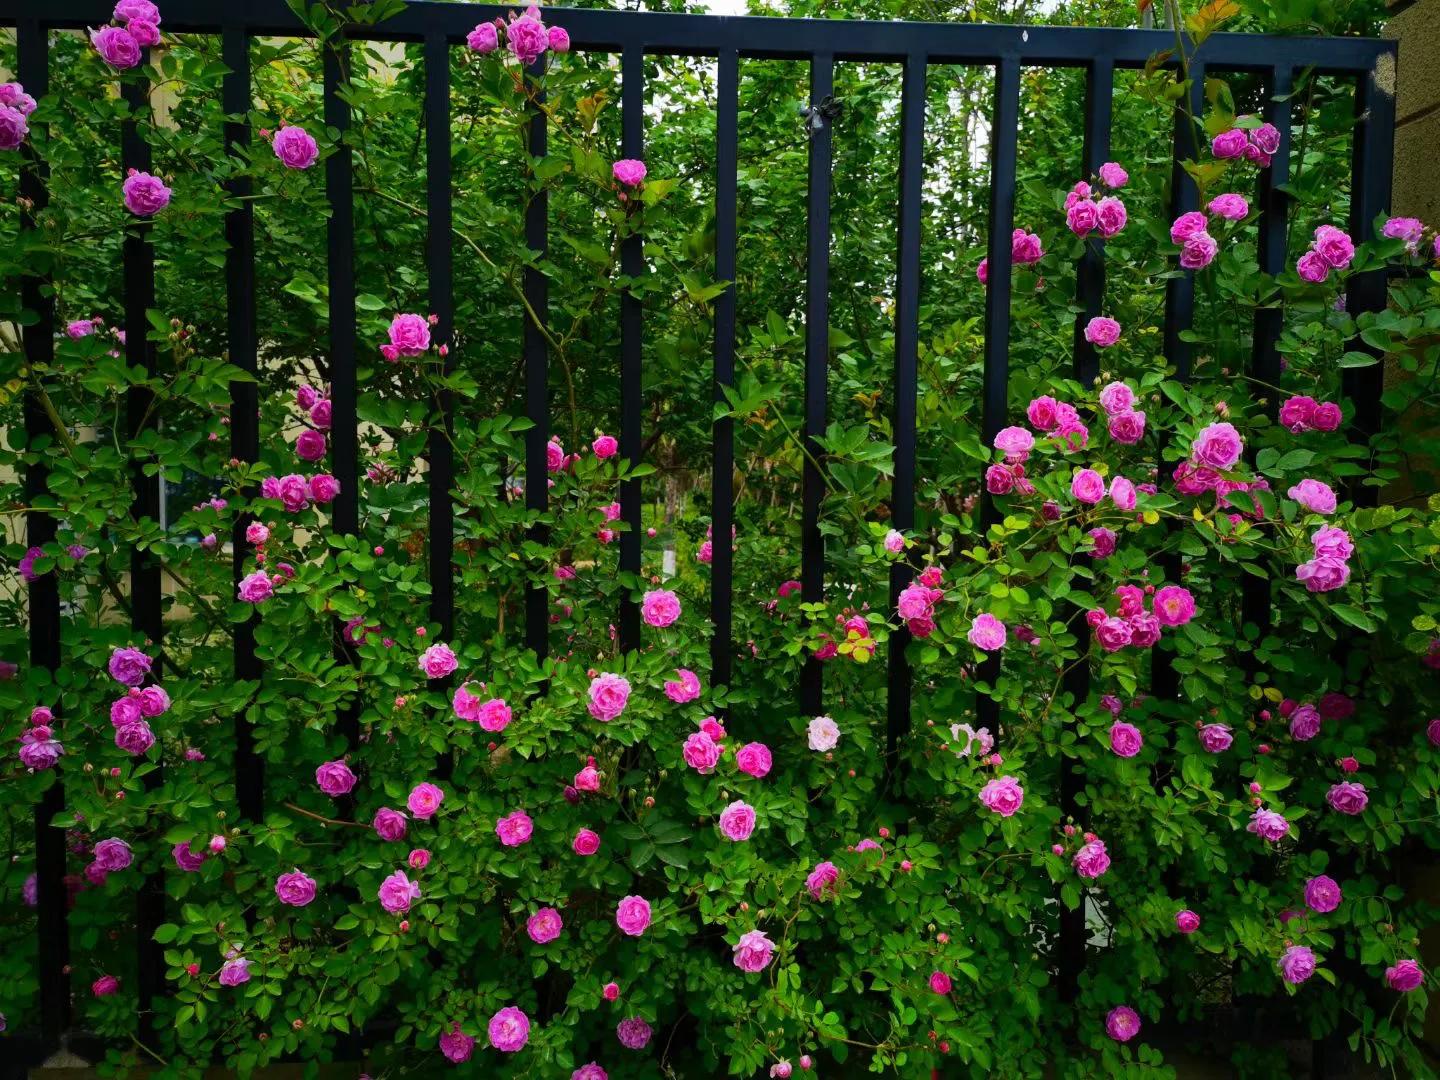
822, 43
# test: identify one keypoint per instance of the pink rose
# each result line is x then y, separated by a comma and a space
113, 855
629, 172
1092, 860
136, 738
483, 39
1217, 446
1015, 441
1113, 633
1087, 486
1266, 138
514, 828
455, 1044
1122, 1023
509, 1028
527, 40
632, 915
1268, 825
822, 880
334, 778
1102, 543
1198, 251
1324, 573
1297, 963
558, 38
633, 1033
1215, 738
1315, 495
987, 633
153, 701
13, 129
1188, 225
609, 694
1173, 605
105, 986
295, 888
1348, 797
116, 47
660, 607
438, 661
1229, 144
737, 821
144, 195
323, 488
1082, 217
295, 147
1125, 739
390, 824
1110, 216
700, 752
1122, 490
1102, 332
1312, 268
544, 926
1186, 921
424, 801
605, 446
410, 334
1296, 414
1404, 975
255, 588
1113, 175
753, 951
1043, 413
310, 446
685, 689
397, 892
1117, 398
754, 759
1003, 795
1334, 246
1327, 417
1323, 894
1332, 542
586, 842
940, 983
1230, 207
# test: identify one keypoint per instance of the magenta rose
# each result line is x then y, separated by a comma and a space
187, 860
1297, 963
483, 39
822, 880
609, 694
425, 800
1186, 921
1297, 413
753, 951
438, 661
145, 195
295, 147
1112, 175
632, 915
753, 759
1003, 795
586, 842
134, 738
633, 1033
1198, 251
13, 129
940, 983
1110, 216
334, 778
1083, 217
1305, 723
1334, 246
398, 892
310, 446
660, 607
544, 926
1173, 605
684, 689
129, 667
1315, 495
295, 888
1088, 486
526, 39
390, 824
1324, 573
1043, 413
510, 1028
1215, 738
1092, 860
1268, 825
1229, 144
1404, 975
113, 854
116, 46
1322, 894
255, 588
1217, 446
701, 752
629, 172
455, 1044
737, 821
1348, 797
987, 633
1230, 207
410, 334
1122, 1023
1312, 268
515, 828
1125, 739
1328, 416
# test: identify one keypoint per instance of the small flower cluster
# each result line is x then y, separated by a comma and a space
129, 714
1084, 214
15, 109
526, 37
1025, 250
1172, 605
1331, 249
1256, 146
120, 46
409, 336
1300, 414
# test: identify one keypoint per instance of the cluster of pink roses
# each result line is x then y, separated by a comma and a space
1257, 146
39, 748
311, 444
526, 37
1025, 250
15, 109
1331, 249
119, 46
1084, 214
1329, 567
1300, 413
916, 603
128, 715
296, 492
1172, 605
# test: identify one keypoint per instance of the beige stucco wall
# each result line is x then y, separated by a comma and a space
1417, 110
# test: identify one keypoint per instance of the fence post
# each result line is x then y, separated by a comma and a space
632, 392
722, 432
537, 372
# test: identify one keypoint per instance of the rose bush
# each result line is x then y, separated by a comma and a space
600, 863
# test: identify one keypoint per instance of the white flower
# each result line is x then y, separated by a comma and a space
824, 733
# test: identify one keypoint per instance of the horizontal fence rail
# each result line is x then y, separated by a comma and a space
441, 27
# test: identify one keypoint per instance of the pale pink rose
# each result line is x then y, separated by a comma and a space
609, 694
737, 821
1113, 175
1315, 495
514, 828
753, 951
1088, 486
824, 734
398, 892
1003, 795
1117, 397
987, 633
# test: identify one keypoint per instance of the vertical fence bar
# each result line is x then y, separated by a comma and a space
1371, 169
537, 371
145, 588
1179, 314
907, 334
632, 392
439, 260
1273, 228
817, 362
43, 597
722, 432
1005, 120
244, 396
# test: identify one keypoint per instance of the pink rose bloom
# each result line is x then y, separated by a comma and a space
235, 972
1173, 605
633, 1033
1144, 630
510, 1028
983, 271
324, 487
144, 195
554, 456
514, 828
1110, 216
894, 542
1116, 398
1003, 795
134, 738
632, 915
1432, 731
686, 689
255, 588
1015, 441
1230, 207
1324, 573
1122, 490
940, 982
295, 147
1312, 268
1186, 921
999, 480
425, 800
1198, 251
295, 888
1113, 633
588, 779
1297, 963
334, 778
105, 986
310, 446
737, 821
1268, 825
605, 446
1348, 797
1335, 543
1125, 739
823, 734
1122, 1023
1229, 144
1266, 138
397, 892
187, 860
419, 858
1043, 413
410, 334
1404, 975
438, 661
390, 824
483, 39
1322, 894
1092, 860
1082, 217
129, 667
1218, 447
144, 32
1025, 248
608, 696
1216, 738
700, 752
1088, 486
629, 172
1102, 332
1315, 495
116, 47
129, 10
1113, 175
586, 842
753, 951
1102, 542
987, 633
558, 38
1305, 723
822, 880
1081, 190
1334, 246
754, 759
1409, 229
544, 926
527, 40
455, 1044
1187, 225
13, 129
1328, 416
1296, 413
590, 1071
113, 854
660, 607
